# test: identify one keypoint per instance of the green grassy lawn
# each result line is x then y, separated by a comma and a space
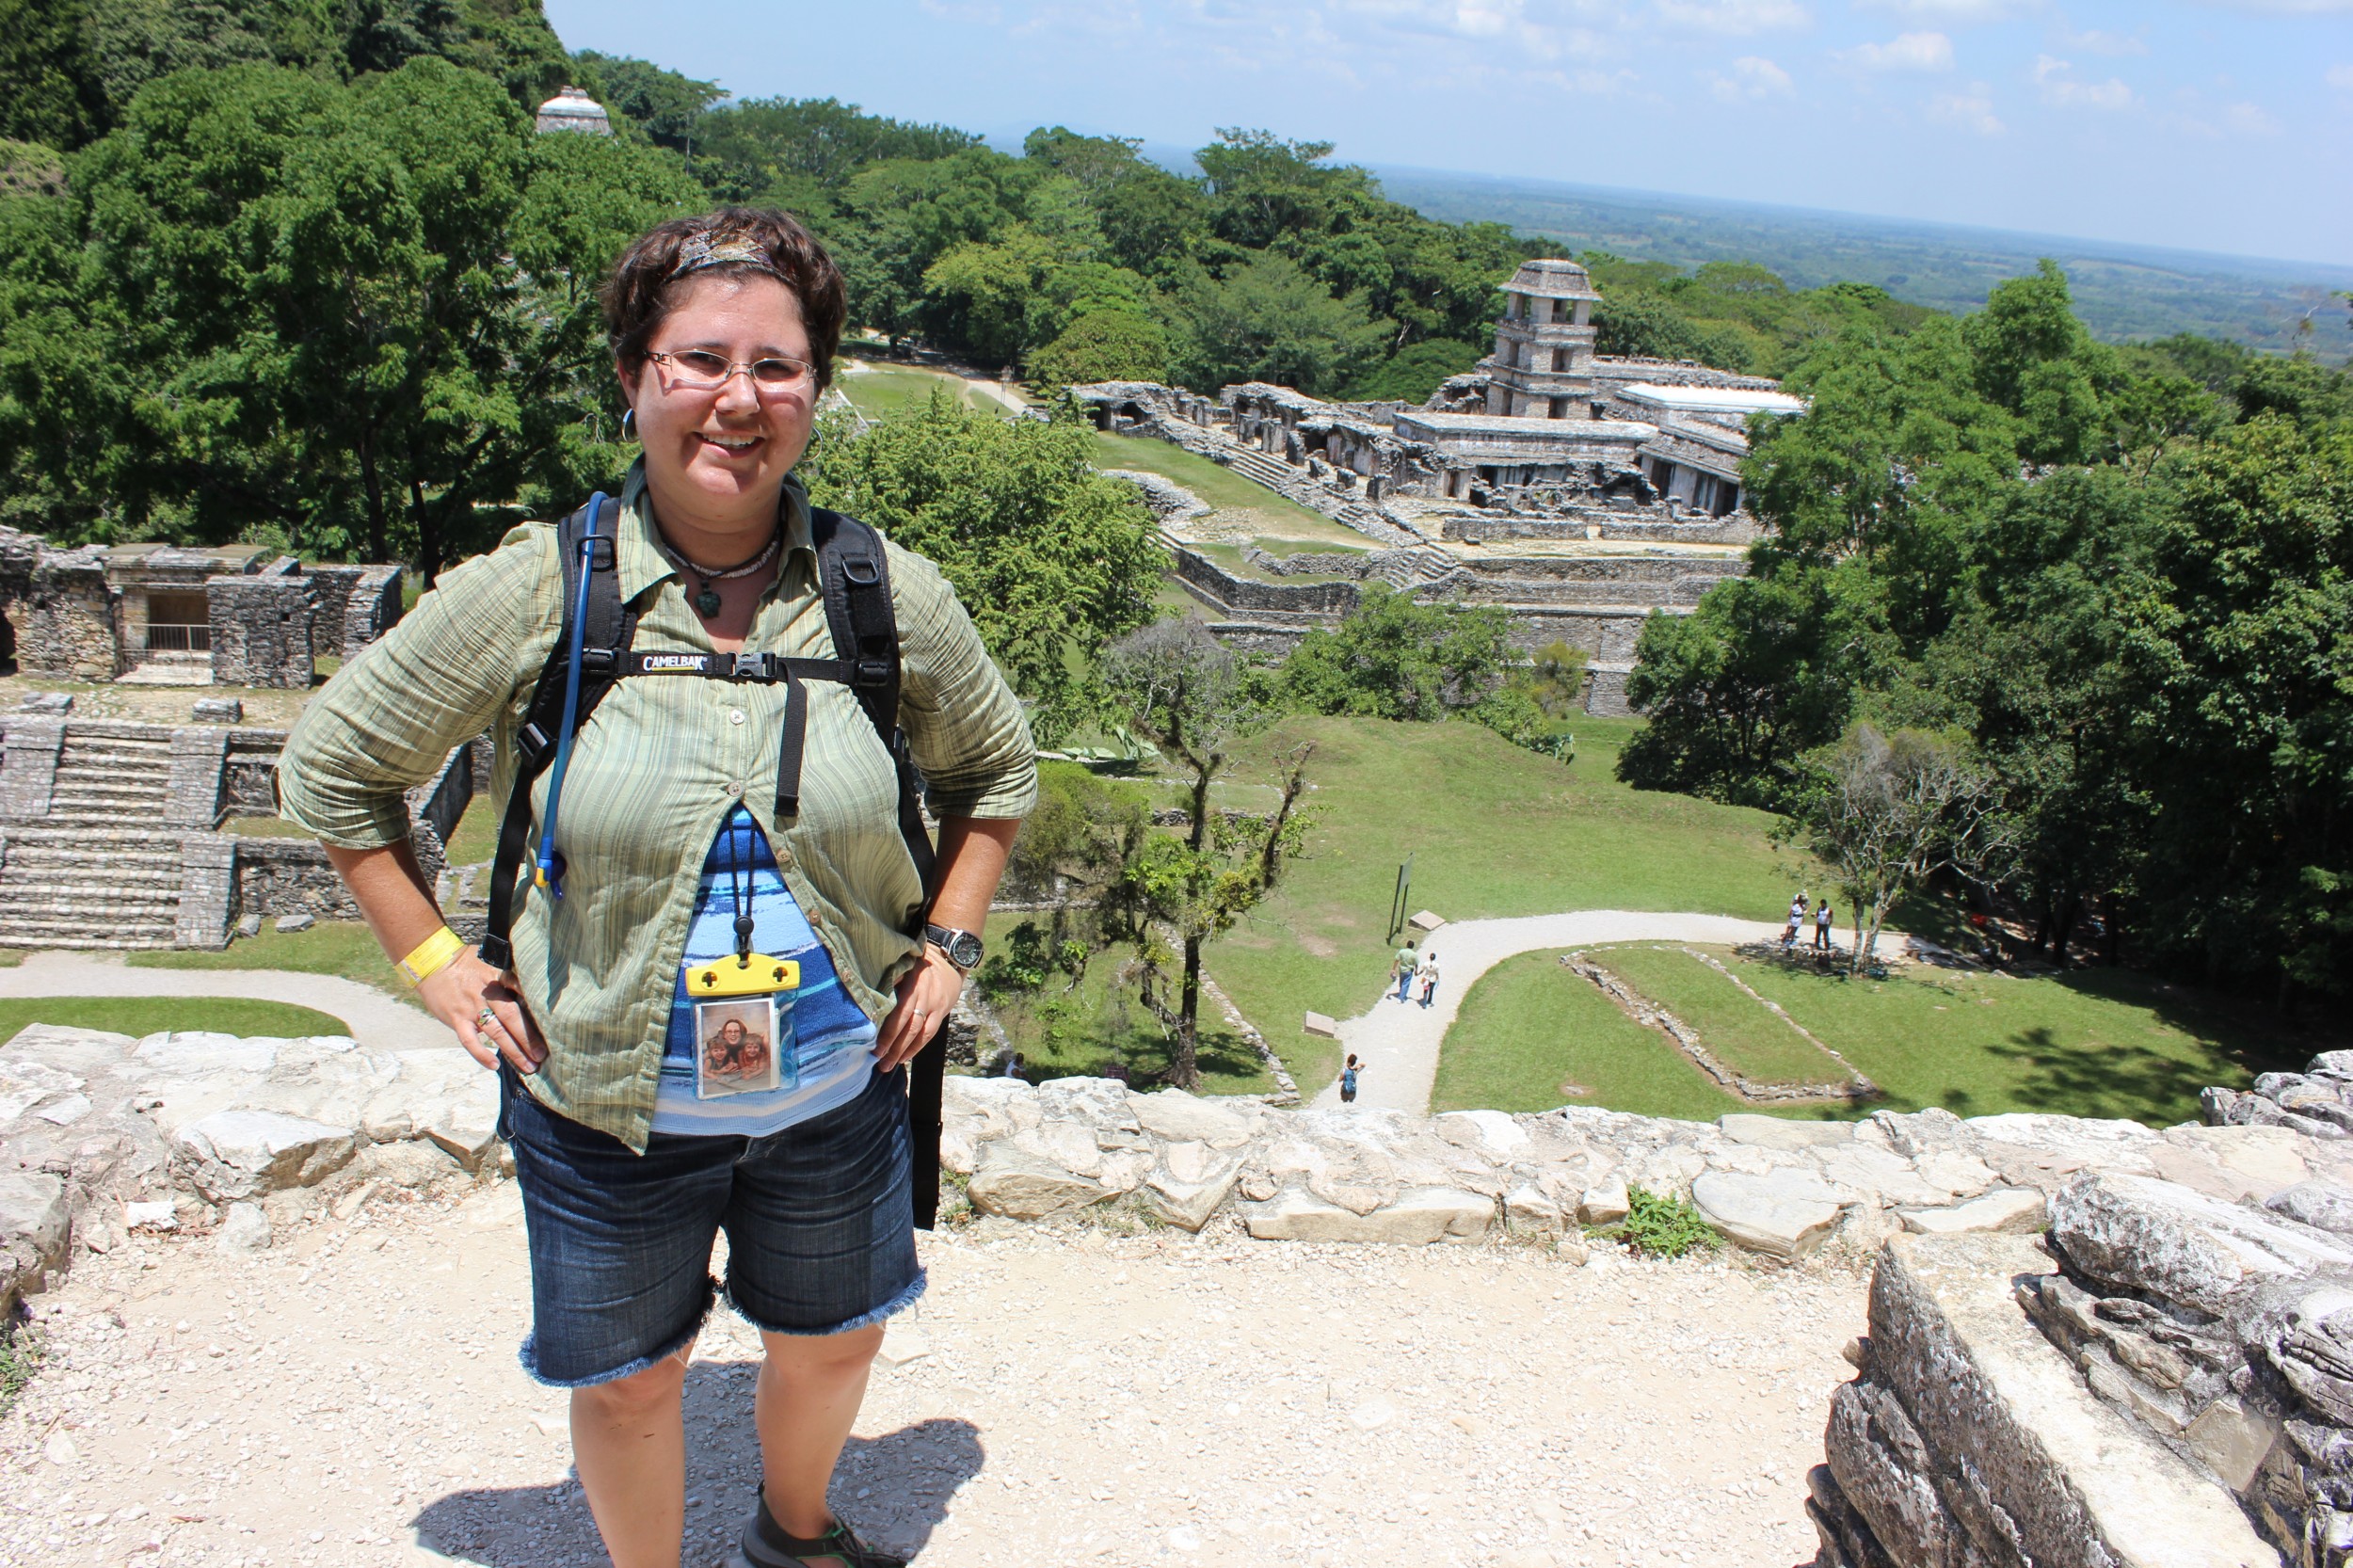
1087, 1029
1749, 1039
1493, 830
1533, 1035
2095, 1043
1228, 492
1230, 557
152, 1015
2089, 1043
477, 835
345, 948
881, 389
263, 828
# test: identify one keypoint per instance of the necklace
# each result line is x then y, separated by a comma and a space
707, 601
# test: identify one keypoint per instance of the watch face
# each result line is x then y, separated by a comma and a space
965, 951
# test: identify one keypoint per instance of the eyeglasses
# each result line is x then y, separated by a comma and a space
700, 370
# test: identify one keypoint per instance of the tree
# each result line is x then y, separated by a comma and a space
666, 105
1393, 657
1268, 321
1103, 345
1193, 697
1413, 374
1884, 811
1052, 557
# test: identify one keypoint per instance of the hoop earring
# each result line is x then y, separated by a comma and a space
629, 425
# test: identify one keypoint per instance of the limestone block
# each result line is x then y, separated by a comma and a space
2012, 1209
1495, 1131
1195, 1181
1008, 1104
2232, 1440
1180, 1117
464, 1124
415, 1162
184, 1053
2259, 1160
1670, 1168
1886, 1474
2033, 1465
2323, 1205
1425, 922
957, 1152
2183, 1245
1321, 1025
1528, 1211
1921, 1133
1124, 1170
1071, 1147
25, 1084
1881, 1173
1015, 1180
1099, 1103
1962, 1175
242, 1154
85, 1052
1786, 1214
1780, 1132
1419, 1217
1603, 1202
34, 1227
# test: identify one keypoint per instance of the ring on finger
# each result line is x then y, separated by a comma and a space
486, 1019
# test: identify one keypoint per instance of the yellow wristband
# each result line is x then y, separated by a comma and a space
431, 955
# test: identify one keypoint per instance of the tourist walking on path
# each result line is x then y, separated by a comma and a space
1797, 922
1428, 975
1348, 1081
1403, 970
777, 875
1821, 927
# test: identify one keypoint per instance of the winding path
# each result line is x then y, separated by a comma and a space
1397, 1043
378, 1021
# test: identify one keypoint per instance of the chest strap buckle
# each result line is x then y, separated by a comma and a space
749, 666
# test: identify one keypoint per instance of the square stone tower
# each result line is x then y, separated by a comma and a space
1544, 344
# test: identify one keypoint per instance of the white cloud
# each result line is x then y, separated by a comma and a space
1752, 77
1909, 51
1736, 16
1953, 13
2284, 8
2060, 89
1972, 110
2095, 40
2250, 120
2341, 77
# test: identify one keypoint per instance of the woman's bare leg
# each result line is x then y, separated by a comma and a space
629, 1440
808, 1395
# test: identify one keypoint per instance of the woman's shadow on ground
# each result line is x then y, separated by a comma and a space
893, 1489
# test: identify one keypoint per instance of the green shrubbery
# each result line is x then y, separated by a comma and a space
1662, 1225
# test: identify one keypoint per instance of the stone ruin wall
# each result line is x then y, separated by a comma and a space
262, 631
2092, 1343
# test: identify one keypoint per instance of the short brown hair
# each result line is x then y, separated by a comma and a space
644, 285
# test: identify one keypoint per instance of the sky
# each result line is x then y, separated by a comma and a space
2216, 125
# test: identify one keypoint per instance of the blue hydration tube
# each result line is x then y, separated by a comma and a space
550, 873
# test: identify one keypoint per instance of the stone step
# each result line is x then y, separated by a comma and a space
16, 934
102, 792
15, 893
95, 830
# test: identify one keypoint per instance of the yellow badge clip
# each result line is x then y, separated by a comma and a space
754, 976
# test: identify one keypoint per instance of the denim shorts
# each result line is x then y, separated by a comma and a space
818, 1217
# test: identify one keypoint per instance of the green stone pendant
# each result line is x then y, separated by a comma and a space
707, 603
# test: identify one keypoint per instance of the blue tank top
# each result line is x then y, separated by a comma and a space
831, 1040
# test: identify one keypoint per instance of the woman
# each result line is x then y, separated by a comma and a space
724, 330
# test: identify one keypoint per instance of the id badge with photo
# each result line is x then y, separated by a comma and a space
744, 1025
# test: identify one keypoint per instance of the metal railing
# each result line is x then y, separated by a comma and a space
178, 639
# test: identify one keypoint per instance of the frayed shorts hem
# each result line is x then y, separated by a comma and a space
529, 1355
891, 1308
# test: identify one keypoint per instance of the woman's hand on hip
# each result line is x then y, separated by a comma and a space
485, 1010
926, 992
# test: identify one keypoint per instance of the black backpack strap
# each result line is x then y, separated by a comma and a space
610, 628
855, 577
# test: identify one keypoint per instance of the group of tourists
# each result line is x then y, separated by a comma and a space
1797, 924
1412, 965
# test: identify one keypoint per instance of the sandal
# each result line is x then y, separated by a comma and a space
765, 1544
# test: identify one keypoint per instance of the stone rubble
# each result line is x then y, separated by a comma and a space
2165, 1377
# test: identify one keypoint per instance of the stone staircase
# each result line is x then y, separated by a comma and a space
99, 869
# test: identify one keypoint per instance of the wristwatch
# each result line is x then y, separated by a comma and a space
963, 948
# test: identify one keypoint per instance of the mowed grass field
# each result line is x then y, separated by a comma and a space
1752, 1040
1286, 527
1492, 829
879, 389
140, 1015
2093, 1043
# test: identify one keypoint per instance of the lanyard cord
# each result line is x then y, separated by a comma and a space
740, 884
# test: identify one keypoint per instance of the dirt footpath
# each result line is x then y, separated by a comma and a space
350, 1398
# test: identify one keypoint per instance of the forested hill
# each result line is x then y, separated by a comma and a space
2124, 292
301, 271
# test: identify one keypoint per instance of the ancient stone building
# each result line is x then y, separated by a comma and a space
574, 110
163, 616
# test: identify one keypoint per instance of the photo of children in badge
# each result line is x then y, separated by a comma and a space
735, 1042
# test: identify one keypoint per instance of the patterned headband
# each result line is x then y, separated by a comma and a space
704, 249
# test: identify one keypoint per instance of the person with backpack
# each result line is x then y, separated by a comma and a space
711, 703
1348, 1080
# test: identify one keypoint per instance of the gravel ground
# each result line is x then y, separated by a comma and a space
350, 1398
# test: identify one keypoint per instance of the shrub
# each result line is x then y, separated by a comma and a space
1663, 1226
